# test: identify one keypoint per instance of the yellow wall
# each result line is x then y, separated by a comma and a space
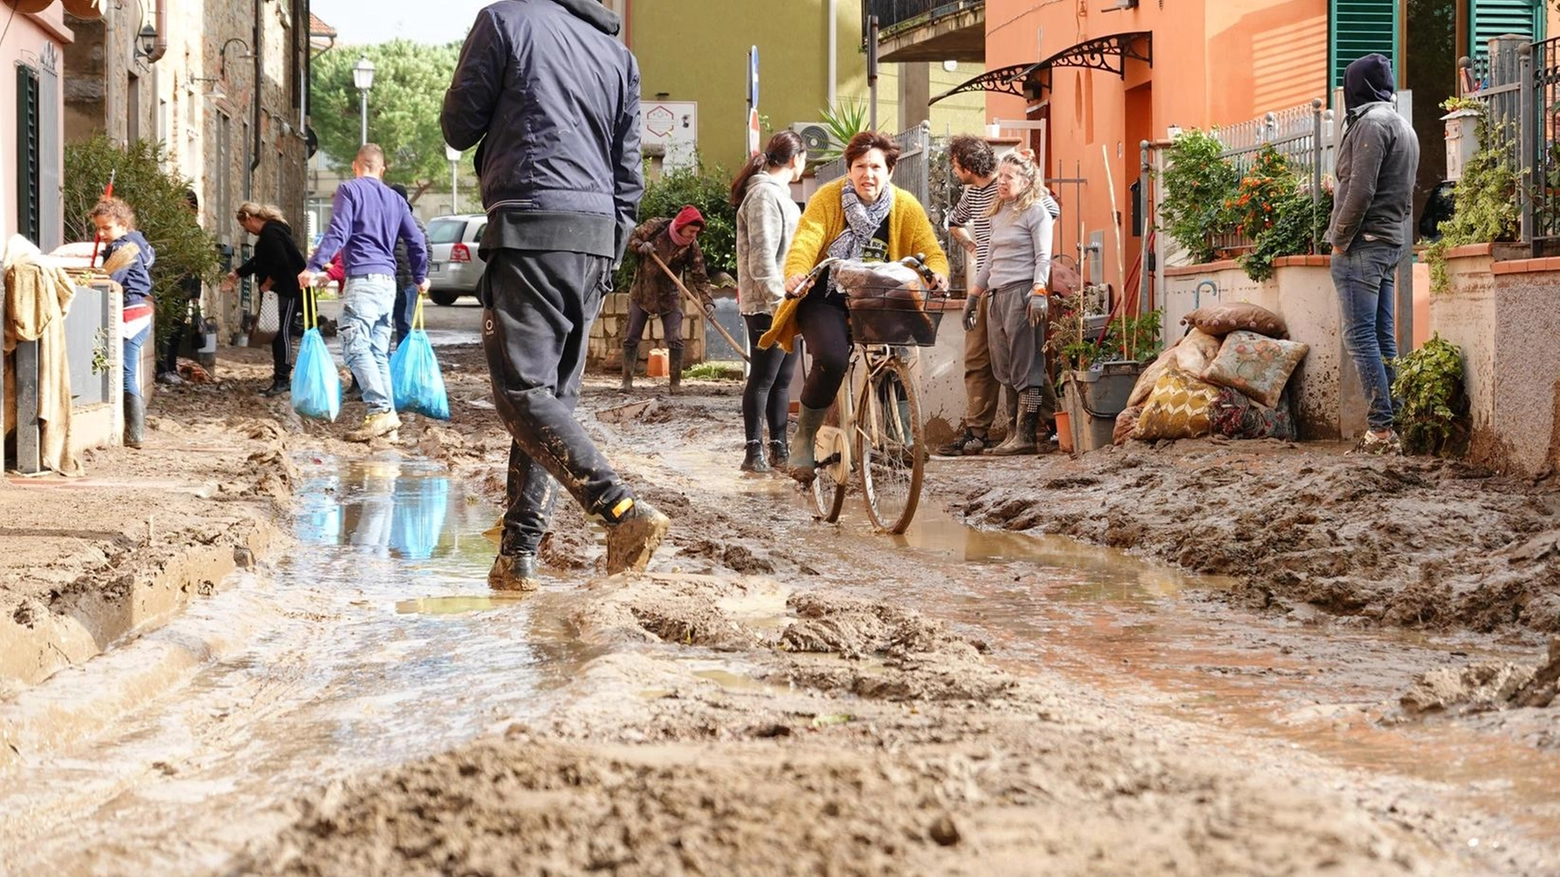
696, 50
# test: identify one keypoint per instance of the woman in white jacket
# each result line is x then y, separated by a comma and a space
766, 222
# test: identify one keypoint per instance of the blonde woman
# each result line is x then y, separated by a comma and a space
275, 264
1016, 274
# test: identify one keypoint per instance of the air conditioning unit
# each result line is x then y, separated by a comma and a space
815, 136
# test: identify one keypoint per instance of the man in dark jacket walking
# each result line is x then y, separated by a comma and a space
1378, 160
405, 286
551, 101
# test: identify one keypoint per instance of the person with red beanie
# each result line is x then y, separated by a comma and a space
676, 241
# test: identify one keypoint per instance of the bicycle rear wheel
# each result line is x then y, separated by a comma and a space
889, 446
829, 479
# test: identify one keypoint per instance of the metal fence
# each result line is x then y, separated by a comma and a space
893, 14
1303, 135
1519, 85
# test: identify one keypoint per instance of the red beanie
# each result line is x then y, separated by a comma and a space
687, 216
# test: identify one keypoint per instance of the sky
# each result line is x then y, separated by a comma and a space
358, 23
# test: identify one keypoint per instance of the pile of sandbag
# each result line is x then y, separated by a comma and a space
1228, 376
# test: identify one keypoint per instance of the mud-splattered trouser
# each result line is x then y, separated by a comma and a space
671, 326
537, 310
1018, 349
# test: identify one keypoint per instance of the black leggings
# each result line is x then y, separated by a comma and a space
767, 395
281, 345
825, 323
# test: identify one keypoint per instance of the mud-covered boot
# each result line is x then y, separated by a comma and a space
633, 535
630, 360
779, 454
135, 420
802, 460
514, 572
753, 460
674, 361
1022, 440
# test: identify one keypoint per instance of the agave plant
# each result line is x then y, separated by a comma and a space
845, 120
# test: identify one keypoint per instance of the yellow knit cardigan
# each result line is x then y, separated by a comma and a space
909, 232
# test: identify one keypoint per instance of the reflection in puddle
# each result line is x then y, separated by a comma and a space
455, 605
389, 505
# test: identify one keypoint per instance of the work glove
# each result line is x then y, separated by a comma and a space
709, 309
1039, 307
971, 312
646, 248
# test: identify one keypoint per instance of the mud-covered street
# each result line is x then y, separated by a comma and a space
1192, 658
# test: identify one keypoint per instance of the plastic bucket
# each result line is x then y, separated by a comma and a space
1064, 435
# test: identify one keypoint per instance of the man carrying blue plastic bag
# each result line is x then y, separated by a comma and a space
366, 220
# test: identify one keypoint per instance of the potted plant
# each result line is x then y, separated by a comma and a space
1099, 367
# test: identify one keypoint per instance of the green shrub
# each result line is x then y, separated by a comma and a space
707, 190
1198, 186
1487, 199
1433, 418
1299, 227
182, 247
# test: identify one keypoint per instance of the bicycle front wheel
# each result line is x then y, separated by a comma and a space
829, 479
889, 446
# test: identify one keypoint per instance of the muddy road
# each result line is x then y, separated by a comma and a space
1195, 659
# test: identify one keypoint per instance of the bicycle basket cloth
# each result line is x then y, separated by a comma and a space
316, 387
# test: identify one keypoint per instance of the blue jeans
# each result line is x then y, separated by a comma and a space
1365, 280
132, 359
366, 328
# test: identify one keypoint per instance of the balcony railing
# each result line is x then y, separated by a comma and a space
895, 15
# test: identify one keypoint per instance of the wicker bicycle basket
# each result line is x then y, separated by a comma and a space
892, 315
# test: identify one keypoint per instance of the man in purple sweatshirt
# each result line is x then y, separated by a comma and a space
366, 220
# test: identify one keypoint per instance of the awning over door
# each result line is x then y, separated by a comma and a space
1033, 80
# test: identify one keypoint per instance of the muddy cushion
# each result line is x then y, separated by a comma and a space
1255, 365
1222, 319
1235, 415
1149, 377
1178, 407
1197, 351
1126, 422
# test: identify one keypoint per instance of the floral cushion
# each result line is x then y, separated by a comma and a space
1255, 365
1235, 415
1178, 407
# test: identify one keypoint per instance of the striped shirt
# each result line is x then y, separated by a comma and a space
973, 211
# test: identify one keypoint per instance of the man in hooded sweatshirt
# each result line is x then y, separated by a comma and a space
1378, 160
551, 101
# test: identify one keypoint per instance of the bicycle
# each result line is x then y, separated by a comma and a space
879, 431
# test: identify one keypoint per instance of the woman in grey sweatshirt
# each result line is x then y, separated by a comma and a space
766, 221
1016, 274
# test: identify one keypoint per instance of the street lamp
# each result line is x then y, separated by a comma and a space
363, 78
453, 155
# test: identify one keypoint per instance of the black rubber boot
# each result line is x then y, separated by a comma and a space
135, 420
674, 362
779, 454
514, 572
753, 461
630, 360
278, 387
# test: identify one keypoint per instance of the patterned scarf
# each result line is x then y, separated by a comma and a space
861, 223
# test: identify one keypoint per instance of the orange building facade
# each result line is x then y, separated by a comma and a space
1120, 77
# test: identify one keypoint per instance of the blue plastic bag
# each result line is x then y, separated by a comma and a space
416, 384
316, 386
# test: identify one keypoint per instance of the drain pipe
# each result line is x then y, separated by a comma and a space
255, 101
160, 22
834, 49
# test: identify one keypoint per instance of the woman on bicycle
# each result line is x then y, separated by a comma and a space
860, 216
766, 222
1017, 272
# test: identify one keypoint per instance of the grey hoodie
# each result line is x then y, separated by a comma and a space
1378, 160
766, 222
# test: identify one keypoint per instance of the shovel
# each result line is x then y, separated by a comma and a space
700, 305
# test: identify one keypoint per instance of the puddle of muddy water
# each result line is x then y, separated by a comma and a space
378, 641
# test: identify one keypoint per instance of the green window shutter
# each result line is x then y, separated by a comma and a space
1357, 28
1494, 18
29, 143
